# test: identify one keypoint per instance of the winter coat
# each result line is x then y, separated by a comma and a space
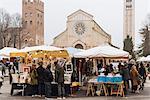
134, 77
59, 74
142, 71
34, 77
125, 74
48, 76
40, 71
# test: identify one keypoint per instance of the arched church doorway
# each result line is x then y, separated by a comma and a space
79, 46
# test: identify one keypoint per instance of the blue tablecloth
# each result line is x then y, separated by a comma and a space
109, 78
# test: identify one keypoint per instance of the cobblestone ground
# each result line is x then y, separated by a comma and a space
144, 95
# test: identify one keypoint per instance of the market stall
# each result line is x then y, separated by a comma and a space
48, 54
103, 83
44, 52
103, 55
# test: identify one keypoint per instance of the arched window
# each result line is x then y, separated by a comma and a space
79, 46
128, 0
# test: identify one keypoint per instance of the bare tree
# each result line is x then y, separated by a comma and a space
11, 29
18, 31
5, 22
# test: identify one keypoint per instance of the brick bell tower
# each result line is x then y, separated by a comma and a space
33, 16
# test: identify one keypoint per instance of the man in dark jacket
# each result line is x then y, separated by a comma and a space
59, 78
124, 71
142, 72
40, 71
16, 64
48, 78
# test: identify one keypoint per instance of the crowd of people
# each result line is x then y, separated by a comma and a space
41, 79
132, 72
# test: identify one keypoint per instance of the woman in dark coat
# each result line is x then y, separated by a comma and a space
41, 85
142, 72
34, 80
59, 78
48, 78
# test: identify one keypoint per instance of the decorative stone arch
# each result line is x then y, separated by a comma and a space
79, 44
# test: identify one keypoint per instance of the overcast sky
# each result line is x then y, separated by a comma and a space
107, 13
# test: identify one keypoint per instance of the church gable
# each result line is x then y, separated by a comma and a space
60, 35
81, 32
80, 15
98, 29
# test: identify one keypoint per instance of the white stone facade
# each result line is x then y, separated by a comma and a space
81, 32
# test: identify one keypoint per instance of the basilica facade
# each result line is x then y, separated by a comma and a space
81, 32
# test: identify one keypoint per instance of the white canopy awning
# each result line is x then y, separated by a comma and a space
144, 58
5, 52
53, 51
42, 47
102, 51
72, 50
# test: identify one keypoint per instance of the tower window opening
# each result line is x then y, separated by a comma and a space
26, 14
38, 14
31, 14
25, 3
129, 6
26, 22
31, 22
128, 0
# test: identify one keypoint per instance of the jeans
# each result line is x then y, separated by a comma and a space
3, 72
48, 90
34, 89
41, 88
61, 90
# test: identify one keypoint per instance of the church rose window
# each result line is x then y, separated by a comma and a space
79, 28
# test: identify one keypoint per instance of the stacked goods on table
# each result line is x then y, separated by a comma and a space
101, 78
109, 78
20, 78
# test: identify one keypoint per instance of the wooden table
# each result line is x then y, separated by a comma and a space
102, 88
